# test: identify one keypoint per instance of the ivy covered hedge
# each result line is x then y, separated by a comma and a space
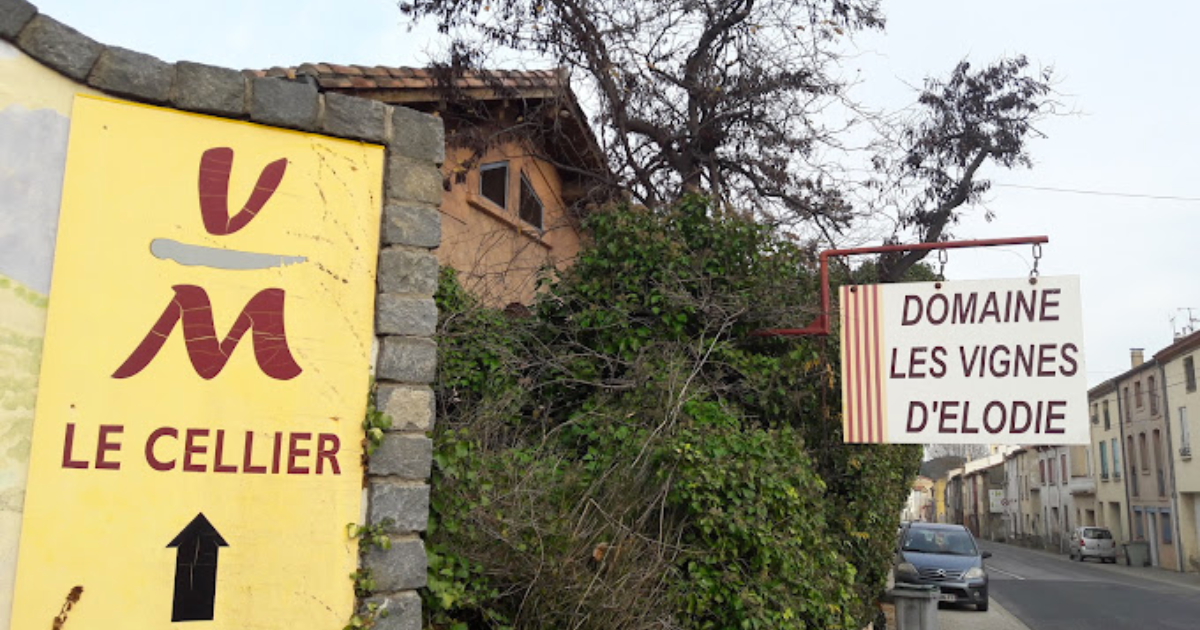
631, 456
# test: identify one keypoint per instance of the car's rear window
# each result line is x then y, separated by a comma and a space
1097, 534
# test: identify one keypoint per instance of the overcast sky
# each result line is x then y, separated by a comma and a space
1127, 69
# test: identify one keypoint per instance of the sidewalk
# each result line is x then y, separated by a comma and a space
996, 618
967, 618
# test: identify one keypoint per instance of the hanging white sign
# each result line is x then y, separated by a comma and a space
964, 362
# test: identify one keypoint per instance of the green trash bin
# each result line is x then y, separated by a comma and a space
1137, 553
916, 606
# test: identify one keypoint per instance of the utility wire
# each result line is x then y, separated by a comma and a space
1098, 193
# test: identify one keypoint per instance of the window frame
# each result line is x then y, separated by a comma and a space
1104, 460
1185, 432
495, 166
526, 184
1116, 458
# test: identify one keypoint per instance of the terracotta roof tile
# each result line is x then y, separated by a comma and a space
387, 77
413, 82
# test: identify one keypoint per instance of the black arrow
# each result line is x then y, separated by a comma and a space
196, 570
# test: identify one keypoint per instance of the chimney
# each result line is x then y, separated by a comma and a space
1137, 356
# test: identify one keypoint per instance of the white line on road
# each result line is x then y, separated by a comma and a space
1011, 575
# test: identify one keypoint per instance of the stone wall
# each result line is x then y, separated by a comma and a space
398, 472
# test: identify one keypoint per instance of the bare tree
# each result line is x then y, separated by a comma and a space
734, 98
965, 122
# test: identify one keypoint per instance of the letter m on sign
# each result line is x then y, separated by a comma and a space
263, 315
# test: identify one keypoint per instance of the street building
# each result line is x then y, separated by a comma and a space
1111, 496
1180, 404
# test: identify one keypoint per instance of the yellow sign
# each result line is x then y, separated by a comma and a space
197, 441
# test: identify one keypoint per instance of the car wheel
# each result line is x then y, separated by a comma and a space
983, 606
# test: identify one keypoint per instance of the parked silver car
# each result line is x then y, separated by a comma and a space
1092, 542
945, 556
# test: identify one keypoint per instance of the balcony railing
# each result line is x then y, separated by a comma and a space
1104, 476
1185, 452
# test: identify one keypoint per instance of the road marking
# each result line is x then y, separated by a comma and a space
1011, 575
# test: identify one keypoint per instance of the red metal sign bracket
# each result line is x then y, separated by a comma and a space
820, 325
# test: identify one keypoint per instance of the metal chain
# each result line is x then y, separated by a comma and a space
1037, 256
943, 256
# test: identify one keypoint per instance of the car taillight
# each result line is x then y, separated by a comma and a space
1081, 544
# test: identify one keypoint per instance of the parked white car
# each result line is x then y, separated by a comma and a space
1092, 542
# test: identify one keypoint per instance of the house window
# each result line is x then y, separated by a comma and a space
1042, 471
1140, 522
1185, 434
1128, 407
1189, 373
493, 183
1107, 423
1137, 393
1143, 453
1158, 464
1116, 459
531, 206
1153, 396
1103, 460
1164, 518
1063, 478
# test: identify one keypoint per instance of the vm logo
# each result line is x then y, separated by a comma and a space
190, 308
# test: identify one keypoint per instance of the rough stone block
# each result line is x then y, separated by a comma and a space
405, 456
408, 360
400, 568
353, 117
60, 47
284, 103
14, 15
209, 89
411, 224
129, 73
403, 611
411, 408
412, 180
405, 508
403, 315
417, 135
407, 271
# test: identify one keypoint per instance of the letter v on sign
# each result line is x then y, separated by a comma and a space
215, 167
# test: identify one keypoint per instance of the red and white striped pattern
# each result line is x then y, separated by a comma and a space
863, 400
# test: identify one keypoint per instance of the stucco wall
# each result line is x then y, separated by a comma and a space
35, 107
497, 255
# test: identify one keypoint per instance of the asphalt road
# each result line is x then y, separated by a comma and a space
1046, 591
